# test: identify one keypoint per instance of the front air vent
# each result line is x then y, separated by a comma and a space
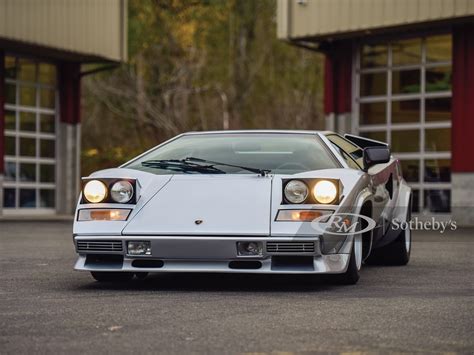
290, 247
245, 265
148, 264
84, 246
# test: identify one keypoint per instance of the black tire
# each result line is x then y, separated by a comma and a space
352, 274
112, 276
141, 275
395, 253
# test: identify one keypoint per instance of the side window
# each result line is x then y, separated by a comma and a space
351, 153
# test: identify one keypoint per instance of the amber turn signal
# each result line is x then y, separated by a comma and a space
300, 215
103, 214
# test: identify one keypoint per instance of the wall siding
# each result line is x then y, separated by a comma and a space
89, 27
326, 18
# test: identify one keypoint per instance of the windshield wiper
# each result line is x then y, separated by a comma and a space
182, 165
262, 172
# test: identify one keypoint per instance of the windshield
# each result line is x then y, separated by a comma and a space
281, 153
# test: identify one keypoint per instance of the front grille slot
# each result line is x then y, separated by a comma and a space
290, 247
99, 245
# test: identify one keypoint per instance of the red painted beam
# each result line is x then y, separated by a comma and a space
344, 78
328, 84
338, 79
463, 99
70, 92
2, 112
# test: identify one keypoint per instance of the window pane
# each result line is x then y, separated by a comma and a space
10, 94
10, 171
47, 198
27, 70
27, 95
416, 201
28, 198
438, 109
438, 170
10, 120
47, 73
438, 140
378, 136
405, 111
411, 170
9, 198
27, 147
373, 84
406, 141
351, 153
438, 201
406, 81
10, 67
438, 79
406, 52
47, 98
47, 173
10, 146
47, 123
27, 121
27, 172
438, 48
47, 148
374, 56
373, 113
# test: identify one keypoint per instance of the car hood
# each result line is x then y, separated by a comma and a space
206, 205
227, 204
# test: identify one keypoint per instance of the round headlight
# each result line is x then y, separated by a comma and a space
325, 191
122, 191
95, 191
296, 191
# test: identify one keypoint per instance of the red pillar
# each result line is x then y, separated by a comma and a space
463, 99
338, 79
2, 112
329, 91
70, 92
69, 141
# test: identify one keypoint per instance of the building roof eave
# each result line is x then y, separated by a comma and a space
55, 54
321, 42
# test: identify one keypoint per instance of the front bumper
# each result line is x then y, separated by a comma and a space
207, 254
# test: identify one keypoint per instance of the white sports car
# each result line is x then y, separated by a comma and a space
282, 202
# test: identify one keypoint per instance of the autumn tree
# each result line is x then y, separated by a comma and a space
198, 65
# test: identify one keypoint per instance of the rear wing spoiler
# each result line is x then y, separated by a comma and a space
364, 142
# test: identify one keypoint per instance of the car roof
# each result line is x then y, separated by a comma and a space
253, 131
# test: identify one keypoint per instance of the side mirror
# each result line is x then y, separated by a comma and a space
375, 155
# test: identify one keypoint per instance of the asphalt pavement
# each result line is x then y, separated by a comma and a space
47, 307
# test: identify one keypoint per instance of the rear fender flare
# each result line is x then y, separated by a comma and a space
400, 213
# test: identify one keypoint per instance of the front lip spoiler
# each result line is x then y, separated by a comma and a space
325, 264
210, 254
